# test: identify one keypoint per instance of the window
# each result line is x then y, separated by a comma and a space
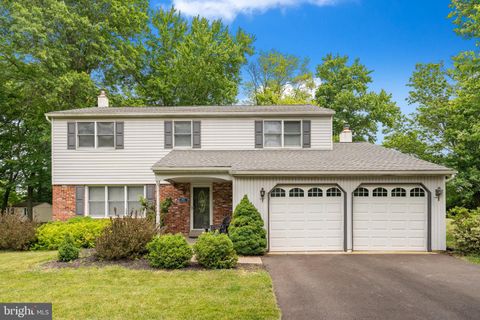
86, 134
292, 133
399, 192
105, 134
360, 192
315, 192
116, 202
380, 192
273, 133
182, 133
96, 202
296, 193
133, 200
417, 192
334, 192
277, 193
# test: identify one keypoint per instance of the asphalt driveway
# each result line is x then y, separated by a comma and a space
375, 286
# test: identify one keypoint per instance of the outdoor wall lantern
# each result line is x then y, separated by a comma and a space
438, 193
262, 193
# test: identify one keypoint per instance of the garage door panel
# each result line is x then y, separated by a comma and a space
389, 223
306, 223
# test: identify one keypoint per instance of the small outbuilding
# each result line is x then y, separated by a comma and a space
42, 211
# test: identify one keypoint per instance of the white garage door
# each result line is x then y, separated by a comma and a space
390, 218
306, 218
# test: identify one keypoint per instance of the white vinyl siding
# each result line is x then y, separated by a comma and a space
251, 186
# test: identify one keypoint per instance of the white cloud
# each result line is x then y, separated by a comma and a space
229, 9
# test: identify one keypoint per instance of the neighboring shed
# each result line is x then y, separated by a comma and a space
42, 211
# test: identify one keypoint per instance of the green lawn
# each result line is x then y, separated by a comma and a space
120, 293
451, 244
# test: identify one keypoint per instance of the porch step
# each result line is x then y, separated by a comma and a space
195, 233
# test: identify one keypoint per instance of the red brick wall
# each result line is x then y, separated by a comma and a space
178, 216
63, 202
222, 201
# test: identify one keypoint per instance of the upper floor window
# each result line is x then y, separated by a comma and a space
280, 133
182, 133
99, 134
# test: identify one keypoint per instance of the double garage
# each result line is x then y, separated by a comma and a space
314, 218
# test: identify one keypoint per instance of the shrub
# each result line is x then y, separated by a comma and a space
246, 229
169, 251
84, 231
16, 233
215, 251
68, 251
466, 230
125, 238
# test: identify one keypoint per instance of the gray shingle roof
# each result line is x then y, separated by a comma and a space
346, 157
193, 111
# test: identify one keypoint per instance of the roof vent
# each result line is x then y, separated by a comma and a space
346, 134
102, 100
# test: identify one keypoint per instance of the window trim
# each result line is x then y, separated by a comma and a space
184, 134
106, 200
95, 135
282, 133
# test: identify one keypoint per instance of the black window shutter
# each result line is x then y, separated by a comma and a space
197, 134
259, 134
151, 192
71, 135
80, 200
307, 124
119, 129
168, 144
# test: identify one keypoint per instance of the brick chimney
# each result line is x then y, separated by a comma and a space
102, 100
346, 134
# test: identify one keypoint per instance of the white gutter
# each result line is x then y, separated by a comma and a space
337, 173
188, 115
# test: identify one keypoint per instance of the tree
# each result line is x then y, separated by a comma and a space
466, 16
277, 78
344, 88
246, 229
182, 62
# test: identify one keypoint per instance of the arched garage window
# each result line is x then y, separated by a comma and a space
417, 192
399, 192
296, 193
380, 192
315, 192
360, 192
334, 192
277, 193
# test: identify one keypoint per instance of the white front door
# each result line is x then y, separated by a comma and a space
390, 218
306, 219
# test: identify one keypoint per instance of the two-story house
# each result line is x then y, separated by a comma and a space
313, 194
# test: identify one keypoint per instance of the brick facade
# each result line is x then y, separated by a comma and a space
222, 201
63, 202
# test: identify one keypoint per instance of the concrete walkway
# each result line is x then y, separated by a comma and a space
377, 286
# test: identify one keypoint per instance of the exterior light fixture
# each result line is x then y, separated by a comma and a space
438, 193
262, 193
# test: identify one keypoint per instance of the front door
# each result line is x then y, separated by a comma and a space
201, 207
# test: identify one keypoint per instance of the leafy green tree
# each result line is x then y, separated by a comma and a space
246, 229
277, 78
344, 88
466, 16
182, 62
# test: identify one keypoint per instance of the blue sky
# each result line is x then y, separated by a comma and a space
389, 36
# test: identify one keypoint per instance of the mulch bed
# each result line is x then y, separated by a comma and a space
88, 259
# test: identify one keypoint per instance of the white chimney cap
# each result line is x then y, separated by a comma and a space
102, 100
346, 134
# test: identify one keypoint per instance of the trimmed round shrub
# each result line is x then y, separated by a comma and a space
16, 233
84, 231
68, 251
125, 238
466, 230
246, 229
169, 251
215, 251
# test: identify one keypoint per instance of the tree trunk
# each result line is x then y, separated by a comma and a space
6, 196
30, 203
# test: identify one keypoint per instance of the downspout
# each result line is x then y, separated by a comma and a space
157, 204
